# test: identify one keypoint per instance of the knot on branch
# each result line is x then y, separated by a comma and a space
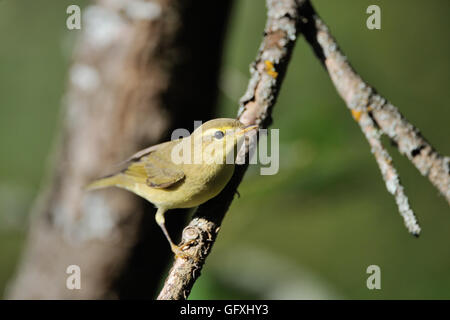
197, 239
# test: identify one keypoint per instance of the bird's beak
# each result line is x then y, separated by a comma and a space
248, 128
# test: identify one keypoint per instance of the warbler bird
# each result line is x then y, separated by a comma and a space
182, 173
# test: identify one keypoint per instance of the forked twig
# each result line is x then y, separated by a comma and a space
377, 116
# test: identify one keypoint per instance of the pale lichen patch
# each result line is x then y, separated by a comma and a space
84, 77
143, 10
98, 222
102, 26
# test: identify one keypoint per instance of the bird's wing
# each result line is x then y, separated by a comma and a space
138, 155
154, 167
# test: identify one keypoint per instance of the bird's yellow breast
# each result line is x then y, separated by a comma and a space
199, 185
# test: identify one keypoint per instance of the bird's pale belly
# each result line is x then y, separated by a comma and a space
190, 192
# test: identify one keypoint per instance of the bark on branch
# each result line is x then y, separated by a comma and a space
267, 73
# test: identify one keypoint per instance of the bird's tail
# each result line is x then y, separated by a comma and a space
110, 181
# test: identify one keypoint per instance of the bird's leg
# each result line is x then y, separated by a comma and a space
159, 217
160, 220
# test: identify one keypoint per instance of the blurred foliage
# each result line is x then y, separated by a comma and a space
311, 230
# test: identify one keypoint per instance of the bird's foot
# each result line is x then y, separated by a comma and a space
180, 252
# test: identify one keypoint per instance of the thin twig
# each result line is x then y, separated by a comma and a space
388, 171
267, 73
374, 113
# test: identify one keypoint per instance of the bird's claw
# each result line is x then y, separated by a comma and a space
179, 251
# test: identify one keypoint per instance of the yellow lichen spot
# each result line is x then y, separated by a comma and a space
356, 115
271, 69
269, 65
369, 108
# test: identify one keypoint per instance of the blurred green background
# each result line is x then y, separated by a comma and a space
311, 230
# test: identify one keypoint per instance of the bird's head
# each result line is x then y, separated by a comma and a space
219, 139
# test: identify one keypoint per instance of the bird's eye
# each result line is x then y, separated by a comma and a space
219, 134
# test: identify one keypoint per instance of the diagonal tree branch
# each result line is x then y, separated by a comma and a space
376, 116
267, 73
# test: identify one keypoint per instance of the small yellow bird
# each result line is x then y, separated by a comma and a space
182, 173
